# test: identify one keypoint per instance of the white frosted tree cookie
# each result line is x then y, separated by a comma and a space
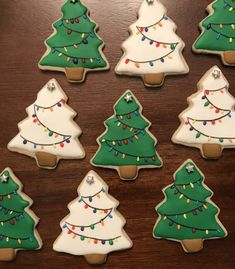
208, 123
153, 50
18, 222
49, 133
94, 227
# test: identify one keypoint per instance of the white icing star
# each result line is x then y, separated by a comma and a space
190, 168
51, 86
4, 178
216, 73
90, 180
128, 98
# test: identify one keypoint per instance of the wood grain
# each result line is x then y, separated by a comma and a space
24, 25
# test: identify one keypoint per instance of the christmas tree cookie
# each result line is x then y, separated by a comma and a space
187, 214
18, 222
209, 122
153, 50
49, 133
218, 31
127, 145
74, 48
94, 227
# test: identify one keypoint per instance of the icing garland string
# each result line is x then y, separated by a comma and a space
8, 195
188, 199
128, 115
8, 211
96, 194
61, 143
208, 102
193, 211
95, 240
219, 34
12, 220
155, 24
123, 155
124, 126
75, 59
69, 30
95, 209
171, 222
91, 226
14, 238
50, 132
227, 5
221, 139
191, 183
124, 141
43, 108
75, 19
158, 43
75, 45
151, 62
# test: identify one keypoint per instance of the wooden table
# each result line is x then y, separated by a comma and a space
24, 25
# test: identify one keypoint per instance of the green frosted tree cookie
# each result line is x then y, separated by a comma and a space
127, 145
18, 222
218, 31
74, 47
187, 214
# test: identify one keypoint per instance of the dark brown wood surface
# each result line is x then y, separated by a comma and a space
24, 25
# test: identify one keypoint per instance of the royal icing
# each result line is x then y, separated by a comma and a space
74, 42
210, 117
94, 226
187, 211
127, 140
153, 46
218, 28
17, 229
49, 127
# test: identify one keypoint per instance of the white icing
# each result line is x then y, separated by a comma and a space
60, 120
141, 51
113, 227
199, 112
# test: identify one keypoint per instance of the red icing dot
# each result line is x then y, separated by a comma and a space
12, 222
153, 158
125, 141
77, 20
85, 206
127, 61
73, 228
95, 241
62, 145
141, 29
105, 211
63, 101
69, 232
157, 44
213, 122
35, 120
124, 126
186, 123
1, 198
207, 92
128, 116
217, 110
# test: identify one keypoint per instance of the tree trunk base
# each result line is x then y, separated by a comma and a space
128, 172
229, 57
192, 245
46, 160
7, 254
75, 74
211, 151
96, 258
154, 80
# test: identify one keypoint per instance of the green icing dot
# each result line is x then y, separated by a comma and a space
82, 238
50, 133
110, 242
92, 227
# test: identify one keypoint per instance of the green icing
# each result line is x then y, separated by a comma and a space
219, 28
127, 140
186, 205
16, 226
81, 33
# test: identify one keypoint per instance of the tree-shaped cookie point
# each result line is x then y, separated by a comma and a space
218, 31
127, 145
153, 50
49, 133
187, 214
94, 227
17, 221
209, 122
74, 47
